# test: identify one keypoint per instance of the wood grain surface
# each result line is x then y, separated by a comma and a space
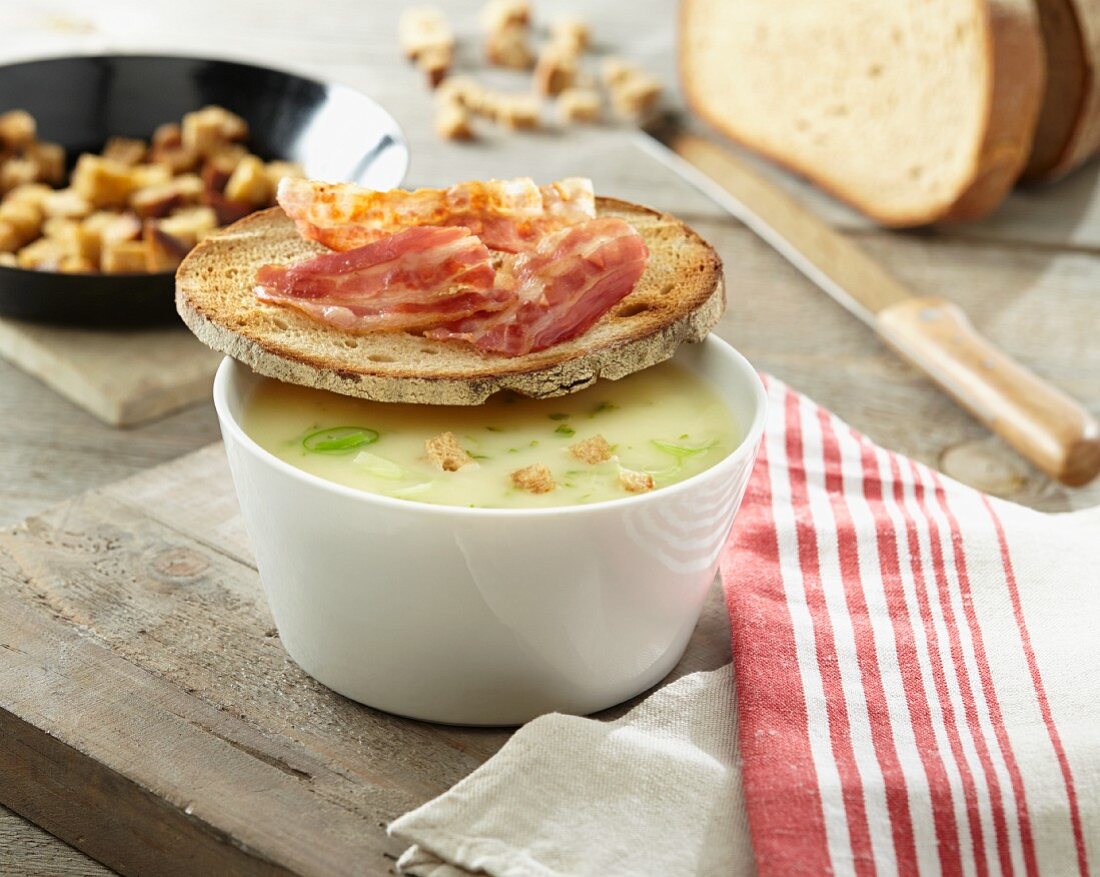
121, 377
1027, 277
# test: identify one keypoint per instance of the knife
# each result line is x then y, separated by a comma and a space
1040, 421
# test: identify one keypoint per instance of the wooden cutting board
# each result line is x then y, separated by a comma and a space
122, 377
151, 718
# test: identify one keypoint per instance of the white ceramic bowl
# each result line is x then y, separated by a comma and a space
489, 616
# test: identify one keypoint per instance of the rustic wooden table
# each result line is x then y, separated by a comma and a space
1029, 277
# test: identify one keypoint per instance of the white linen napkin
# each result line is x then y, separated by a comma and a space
657, 791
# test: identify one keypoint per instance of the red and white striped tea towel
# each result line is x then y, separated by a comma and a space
917, 674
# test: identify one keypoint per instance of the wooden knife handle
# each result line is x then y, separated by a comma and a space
1038, 420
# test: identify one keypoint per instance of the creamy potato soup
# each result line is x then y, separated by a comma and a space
612, 440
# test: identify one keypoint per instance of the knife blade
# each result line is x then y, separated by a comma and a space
1041, 422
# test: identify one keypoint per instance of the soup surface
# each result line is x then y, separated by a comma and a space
614, 439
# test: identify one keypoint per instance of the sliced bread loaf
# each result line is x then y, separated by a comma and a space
679, 297
1068, 133
1067, 76
911, 111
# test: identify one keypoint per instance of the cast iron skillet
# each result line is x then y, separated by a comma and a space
335, 132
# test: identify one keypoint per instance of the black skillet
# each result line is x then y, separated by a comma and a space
335, 132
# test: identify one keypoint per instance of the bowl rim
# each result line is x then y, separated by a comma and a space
76, 278
746, 448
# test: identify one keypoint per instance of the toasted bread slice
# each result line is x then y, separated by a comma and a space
912, 112
679, 298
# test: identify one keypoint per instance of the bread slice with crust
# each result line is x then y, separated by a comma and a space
1069, 125
1067, 80
679, 298
910, 111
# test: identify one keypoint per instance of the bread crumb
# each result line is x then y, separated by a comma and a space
160, 199
570, 32
76, 264
426, 38
637, 98
634, 93
436, 63
43, 254
68, 203
206, 131
124, 257
24, 217
29, 193
48, 160
125, 150
498, 14
555, 71
535, 478
190, 224
507, 47
276, 171
461, 90
248, 183
579, 105
635, 482
591, 450
15, 172
615, 71
452, 121
445, 451
17, 129
517, 111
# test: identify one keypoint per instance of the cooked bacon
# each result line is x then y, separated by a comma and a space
508, 215
570, 280
414, 279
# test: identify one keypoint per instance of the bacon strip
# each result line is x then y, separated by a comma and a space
411, 280
508, 215
571, 279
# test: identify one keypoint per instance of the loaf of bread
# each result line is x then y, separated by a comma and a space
678, 298
1068, 133
912, 112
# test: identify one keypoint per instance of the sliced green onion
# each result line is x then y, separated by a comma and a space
339, 439
558, 416
602, 407
565, 429
681, 451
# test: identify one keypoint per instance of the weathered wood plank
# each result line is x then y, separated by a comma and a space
124, 377
146, 778
53, 449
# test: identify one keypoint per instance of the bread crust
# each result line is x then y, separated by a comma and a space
1017, 73
1084, 142
1062, 106
1014, 46
679, 298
